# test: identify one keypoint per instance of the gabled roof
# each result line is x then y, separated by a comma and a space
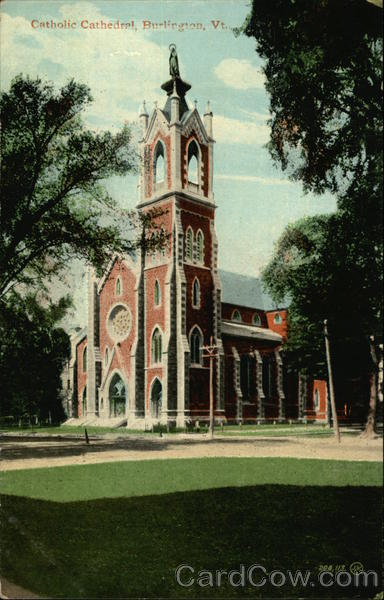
246, 291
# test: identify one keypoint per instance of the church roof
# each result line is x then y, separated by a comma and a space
246, 291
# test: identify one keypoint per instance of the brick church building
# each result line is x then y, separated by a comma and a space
141, 359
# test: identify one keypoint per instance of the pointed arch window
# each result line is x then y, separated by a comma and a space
189, 244
157, 347
316, 400
256, 319
196, 294
277, 319
85, 359
247, 382
193, 163
118, 287
196, 346
159, 163
236, 316
200, 247
157, 293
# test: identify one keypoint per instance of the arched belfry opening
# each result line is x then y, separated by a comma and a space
159, 166
193, 163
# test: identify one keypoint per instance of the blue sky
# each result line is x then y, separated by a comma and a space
122, 67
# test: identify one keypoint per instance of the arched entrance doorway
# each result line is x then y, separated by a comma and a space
156, 398
117, 396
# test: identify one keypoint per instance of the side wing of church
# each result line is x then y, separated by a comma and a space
142, 359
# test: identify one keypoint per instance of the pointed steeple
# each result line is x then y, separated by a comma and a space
208, 119
175, 105
143, 116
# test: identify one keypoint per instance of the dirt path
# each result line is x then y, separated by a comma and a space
29, 453
11, 590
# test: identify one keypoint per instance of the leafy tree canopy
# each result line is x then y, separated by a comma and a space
33, 351
324, 75
54, 206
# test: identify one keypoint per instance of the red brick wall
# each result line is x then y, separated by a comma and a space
278, 328
246, 314
250, 409
321, 414
165, 221
108, 298
82, 377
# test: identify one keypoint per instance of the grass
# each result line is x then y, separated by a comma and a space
155, 477
129, 547
279, 430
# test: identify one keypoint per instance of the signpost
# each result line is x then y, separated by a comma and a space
211, 353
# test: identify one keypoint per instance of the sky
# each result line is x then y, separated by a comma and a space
255, 200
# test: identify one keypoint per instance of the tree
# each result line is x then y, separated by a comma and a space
33, 351
53, 203
324, 76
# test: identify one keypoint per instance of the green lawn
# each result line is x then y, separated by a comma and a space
267, 429
120, 529
142, 478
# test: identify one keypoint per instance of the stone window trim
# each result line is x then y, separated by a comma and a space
189, 243
236, 316
196, 294
199, 247
118, 286
195, 333
193, 150
277, 319
159, 151
316, 399
256, 320
156, 346
157, 294
112, 328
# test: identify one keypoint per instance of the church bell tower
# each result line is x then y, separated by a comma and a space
179, 288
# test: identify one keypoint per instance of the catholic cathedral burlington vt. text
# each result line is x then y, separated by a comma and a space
141, 360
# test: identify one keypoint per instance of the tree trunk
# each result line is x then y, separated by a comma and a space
370, 426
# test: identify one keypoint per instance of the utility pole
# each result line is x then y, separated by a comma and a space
330, 379
211, 353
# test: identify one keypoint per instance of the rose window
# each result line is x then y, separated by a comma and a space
119, 322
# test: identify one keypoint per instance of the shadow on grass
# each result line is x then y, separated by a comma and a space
130, 547
12, 448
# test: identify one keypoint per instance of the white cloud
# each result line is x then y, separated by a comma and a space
254, 179
234, 131
240, 74
119, 80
